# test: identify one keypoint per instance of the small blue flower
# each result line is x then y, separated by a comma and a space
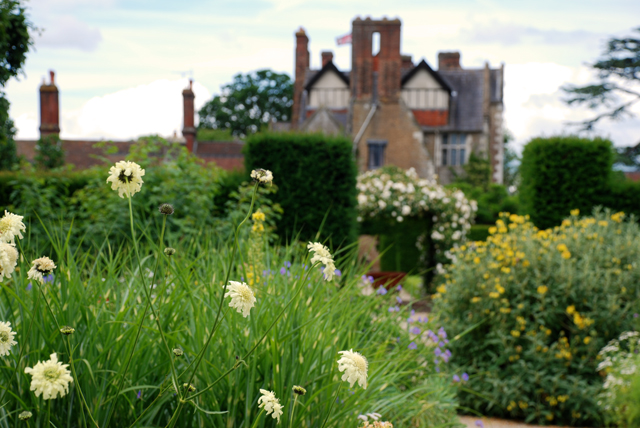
424, 320
437, 369
287, 264
413, 312
465, 377
48, 278
398, 299
415, 330
413, 345
283, 271
399, 287
338, 273
442, 333
29, 287
441, 344
479, 423
410, 320
381, 291
456, 378
438, 352
139, 394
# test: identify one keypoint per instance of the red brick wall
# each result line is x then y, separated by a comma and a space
431, 117
83, 154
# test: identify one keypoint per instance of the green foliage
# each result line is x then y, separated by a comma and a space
207, 134
14, 39
619, 73
316, 177
562, 173
477, 172
98, 293
529, 310
8, 151
511, 163
478, 232
398, 241
49, 152
249, 103
491, 202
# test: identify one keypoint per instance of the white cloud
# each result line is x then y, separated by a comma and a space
155, 108
68, 32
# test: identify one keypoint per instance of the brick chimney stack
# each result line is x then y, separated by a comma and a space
326, 57
49, 108
189, 130
449, 61
388, 60
302, 65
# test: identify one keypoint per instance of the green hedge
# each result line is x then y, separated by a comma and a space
563, 173
316, 177
479, 232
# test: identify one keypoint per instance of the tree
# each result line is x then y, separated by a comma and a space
619, 73
249, 103
511, 163
477, 172
15, 42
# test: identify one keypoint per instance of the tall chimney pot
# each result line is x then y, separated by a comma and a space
189, 129
327, 56
449, 61
49, 108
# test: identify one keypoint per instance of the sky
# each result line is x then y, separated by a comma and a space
121, 64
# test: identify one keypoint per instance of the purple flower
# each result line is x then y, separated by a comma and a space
415, 330
410, 320
456, 378
139, 394
29, 286
48, 278
442, 333
287, 264
338, 273
398, 299
413, 312
394, 309
438, 352
413, 345
370, 279
424, 320
265, 272
437, 369
479, 423
635, 315
381, 291
447, 353
465, 377
283, 271
399, 287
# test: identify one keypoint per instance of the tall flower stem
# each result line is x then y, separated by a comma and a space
200, 356
335, 398
144, 314
293, 408
255, 423
68, 349
248, 354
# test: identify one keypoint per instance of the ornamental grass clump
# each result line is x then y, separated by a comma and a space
181, 340
530, 309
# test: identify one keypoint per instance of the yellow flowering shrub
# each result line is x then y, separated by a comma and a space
529, 310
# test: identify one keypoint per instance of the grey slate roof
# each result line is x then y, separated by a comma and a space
467, 104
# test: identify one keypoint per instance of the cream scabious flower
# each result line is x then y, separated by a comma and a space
40, 268
50, 378
11, 225
354, 367
323, 255
262, 175
271, 404
8, 259
126, 178
6, 338
242, 297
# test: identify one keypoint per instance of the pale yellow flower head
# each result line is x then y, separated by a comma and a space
40, 268
271, 404
11, 225
8, 259
355, 367
6, 338
126, 178
322, 254
50, 378
242, 298
262, 175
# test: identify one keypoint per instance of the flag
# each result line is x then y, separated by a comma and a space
344, 40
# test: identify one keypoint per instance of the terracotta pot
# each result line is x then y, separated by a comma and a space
386, 279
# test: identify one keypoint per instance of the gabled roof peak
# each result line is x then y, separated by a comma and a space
424, 66
329, 66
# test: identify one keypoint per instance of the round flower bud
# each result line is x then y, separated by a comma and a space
169, 251
166, 209
299, 390
178, 352
66, 330
25, 416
